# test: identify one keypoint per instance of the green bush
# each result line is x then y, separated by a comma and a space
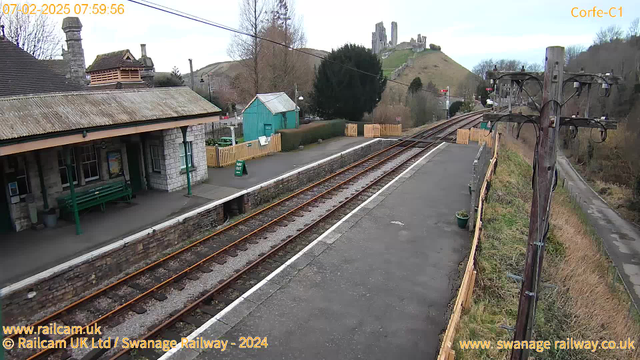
310, 133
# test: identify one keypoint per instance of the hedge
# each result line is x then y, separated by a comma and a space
310, 133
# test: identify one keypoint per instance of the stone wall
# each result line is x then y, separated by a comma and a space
70, 284
175, 176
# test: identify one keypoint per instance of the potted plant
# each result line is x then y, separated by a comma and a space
463, 217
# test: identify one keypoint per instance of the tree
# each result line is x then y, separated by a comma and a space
247, 49
284, 68
634, 29
607, 35
534, 67
340, 91
431, 87
415, 86
482, 92
455, 107
35, 34
174, 79
572, 52
482, 67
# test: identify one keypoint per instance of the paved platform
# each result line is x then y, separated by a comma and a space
30, 252
621, 238
376, 286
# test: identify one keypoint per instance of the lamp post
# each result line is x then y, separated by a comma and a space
297, 97
208, 84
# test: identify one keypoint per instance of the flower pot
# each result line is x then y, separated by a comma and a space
462, 221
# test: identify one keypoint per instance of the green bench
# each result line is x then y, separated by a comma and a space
95, 196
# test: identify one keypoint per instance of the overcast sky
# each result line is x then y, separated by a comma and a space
468, 31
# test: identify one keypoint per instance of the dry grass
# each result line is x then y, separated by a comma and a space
599, 307
587, 304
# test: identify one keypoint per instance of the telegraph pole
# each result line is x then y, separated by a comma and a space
543, 181
191, 75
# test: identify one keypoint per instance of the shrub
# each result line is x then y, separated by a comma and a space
435, 47
310, 133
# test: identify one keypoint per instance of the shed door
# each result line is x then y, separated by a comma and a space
268, 130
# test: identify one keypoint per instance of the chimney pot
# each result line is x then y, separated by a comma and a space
143, 50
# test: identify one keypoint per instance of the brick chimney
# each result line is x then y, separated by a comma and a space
148, 72
74, 55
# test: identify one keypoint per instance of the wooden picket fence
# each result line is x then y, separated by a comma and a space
377, 130
351, 130
465, 292
224, 156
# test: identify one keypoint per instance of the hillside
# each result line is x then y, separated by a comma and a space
226, 70
429, 65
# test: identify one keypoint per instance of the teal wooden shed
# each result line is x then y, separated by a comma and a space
268, 113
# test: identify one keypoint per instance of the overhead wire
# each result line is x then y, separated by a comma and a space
188, 16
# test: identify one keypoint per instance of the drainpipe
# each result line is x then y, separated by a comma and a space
42, 185
72, 191
186, 157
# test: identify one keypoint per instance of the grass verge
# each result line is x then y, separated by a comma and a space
583, 302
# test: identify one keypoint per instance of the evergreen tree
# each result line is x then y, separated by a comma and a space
341, 91
416, 85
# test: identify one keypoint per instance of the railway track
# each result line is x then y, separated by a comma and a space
265, 237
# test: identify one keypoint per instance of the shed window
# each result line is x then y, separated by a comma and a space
89, 159
64, 179
156, 157
189, 155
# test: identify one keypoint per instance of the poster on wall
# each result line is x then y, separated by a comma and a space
114, 160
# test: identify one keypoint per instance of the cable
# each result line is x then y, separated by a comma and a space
188, 16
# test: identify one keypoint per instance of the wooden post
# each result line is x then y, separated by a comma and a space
541, 201
469, 294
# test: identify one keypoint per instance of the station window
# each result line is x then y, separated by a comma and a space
18, 176
156, 157
63, 168
89, 163
189, 155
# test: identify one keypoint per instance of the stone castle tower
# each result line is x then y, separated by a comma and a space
74, 55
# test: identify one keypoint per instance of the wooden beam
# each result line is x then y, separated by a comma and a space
102, 134
564, 120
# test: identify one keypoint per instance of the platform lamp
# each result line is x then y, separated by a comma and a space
208, 83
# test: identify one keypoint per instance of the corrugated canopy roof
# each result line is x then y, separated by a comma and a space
31, 115
276, 102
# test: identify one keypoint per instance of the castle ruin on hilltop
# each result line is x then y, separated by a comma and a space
379, 40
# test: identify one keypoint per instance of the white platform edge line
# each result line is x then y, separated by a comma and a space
257, 286
125, 241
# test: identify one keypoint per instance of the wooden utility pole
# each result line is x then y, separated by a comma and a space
547, 126
543, 184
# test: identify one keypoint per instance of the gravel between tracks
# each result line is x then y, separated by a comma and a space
136, 325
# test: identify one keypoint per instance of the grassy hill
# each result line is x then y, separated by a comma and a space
429, 65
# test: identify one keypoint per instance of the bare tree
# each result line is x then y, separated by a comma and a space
634, 29
609, 34
284, 67
247, 49
482, 67
35, 34
534, 67
572, 52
